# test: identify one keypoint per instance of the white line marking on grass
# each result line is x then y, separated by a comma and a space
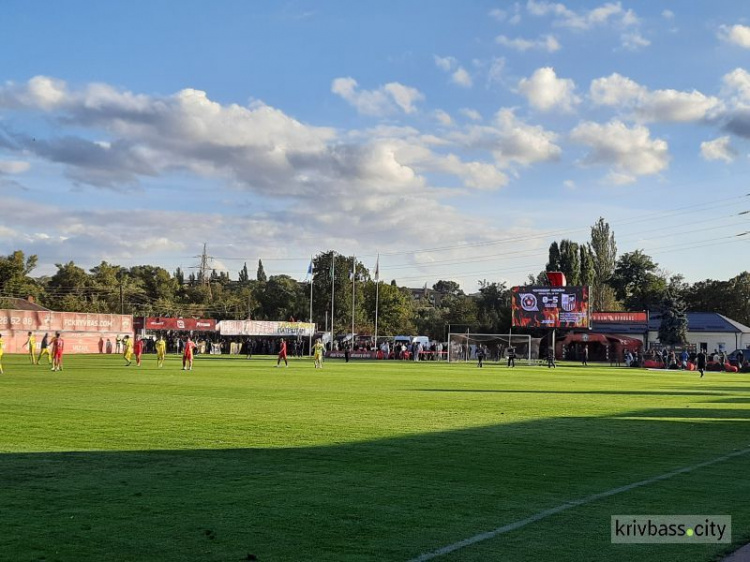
570, 505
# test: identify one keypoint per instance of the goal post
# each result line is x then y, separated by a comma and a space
463, 346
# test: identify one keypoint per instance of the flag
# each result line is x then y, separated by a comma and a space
309, 269
352, 272
377, 269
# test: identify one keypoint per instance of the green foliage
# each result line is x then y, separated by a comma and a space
637, 282
674, 324
261, 275
15, 280
604, 254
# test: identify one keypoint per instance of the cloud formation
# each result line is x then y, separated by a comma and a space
718, 149
628, 151
545, 91
546, 43
652, 105
735, 34
386, 100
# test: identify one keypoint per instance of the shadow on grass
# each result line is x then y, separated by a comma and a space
573, 392
389, 499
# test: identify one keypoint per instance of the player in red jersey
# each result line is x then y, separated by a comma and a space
187, 355
58, 350
282, 354
138, 350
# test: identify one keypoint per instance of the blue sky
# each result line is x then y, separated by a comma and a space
456, 139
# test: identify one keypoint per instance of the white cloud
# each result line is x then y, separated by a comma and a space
459, 75
511, 141
652, 105
495, 71
498, 15
545, 91
736, 86
383, 101
736, 34
634, 41
718, 149
609, 13
13, 166
629, 152
472, 114
462, 78
443, 117
667, 14
546, 43
570, 184
445, 63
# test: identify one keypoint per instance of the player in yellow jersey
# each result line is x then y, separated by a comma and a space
45, 350
31, 343
2, 349
128, 355
161, 351
318, 351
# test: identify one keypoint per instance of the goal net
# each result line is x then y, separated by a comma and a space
463, 347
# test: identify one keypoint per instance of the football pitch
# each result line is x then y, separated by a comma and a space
239, 460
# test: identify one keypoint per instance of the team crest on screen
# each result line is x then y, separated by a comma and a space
568, 302
528, 302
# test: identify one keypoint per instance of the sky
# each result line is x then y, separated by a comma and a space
454, 140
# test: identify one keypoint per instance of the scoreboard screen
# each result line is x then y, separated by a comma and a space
550, 307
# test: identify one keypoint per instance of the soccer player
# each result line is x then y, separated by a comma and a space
31, 342
57, 360
701, 362
2, 349
138, 350
45, 350
318, 351
161, 351
282, 354
187, 355
128, 355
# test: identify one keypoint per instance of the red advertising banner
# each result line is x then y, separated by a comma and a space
38, 321
550, 307
182, 324
83, 332
620, 317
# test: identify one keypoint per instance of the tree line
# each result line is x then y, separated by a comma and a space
631, 281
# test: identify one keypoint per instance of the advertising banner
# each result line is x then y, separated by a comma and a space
550, 307
265, 328
180, 324
83, 332
620, 317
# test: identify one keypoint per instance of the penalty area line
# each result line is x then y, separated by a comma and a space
570, 505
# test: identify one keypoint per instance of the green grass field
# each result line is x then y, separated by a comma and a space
365, 461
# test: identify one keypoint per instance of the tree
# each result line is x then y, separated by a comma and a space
570, 263
637, 283
586, 259
244, 276
14, 276
68, 288
674, 324
261, 275
493, 308
282, 298
553, 264
395, 312
604, 251
447, 288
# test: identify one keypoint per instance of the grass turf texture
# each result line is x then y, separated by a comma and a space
239, 460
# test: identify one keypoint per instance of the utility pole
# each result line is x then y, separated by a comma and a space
204, 268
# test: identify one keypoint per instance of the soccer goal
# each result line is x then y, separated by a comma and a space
463, 346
